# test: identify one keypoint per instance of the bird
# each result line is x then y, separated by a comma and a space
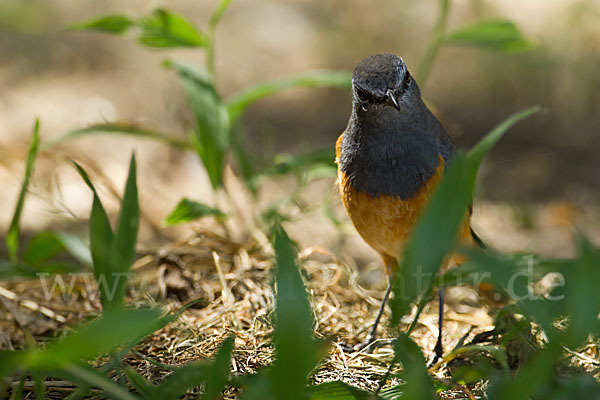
390, 159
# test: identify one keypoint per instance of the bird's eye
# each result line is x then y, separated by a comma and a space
362, 95
407, 79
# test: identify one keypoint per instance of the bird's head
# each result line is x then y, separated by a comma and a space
381, 82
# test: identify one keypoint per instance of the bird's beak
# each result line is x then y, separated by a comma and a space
392, 99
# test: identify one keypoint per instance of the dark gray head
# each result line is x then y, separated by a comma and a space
382, 81
392, 143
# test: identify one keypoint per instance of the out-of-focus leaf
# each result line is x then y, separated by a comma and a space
217, 375
581, 294
16, 269
85, 374
42, 247
287, 163
431, 240
418, 383
167, 29
211, 134
100, 336
188, 210
120, 128
12, 237
145, 388
76, 247
238, 103
493, 35
115, 24
296, 349
338, 391
182, 379
532, 377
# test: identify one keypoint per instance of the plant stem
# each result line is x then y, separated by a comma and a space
210, 33
433, 47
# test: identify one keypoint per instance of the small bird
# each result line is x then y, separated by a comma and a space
390, 159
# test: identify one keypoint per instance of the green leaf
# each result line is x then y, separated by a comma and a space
240, 101
296, 349
338, 391
100, 336
212, 131
167, 29
87, 375
12, 237
216, 378
145, 388
496, 35
120, 128
115, 24
76, 247
123, 246
418, 383
101, 242
182, 379
42, 247
16, 269
188, 210
432, 239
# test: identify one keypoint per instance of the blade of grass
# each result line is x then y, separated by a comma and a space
123, 246
120, 128
238, 102
101, 239
90, 376
12, 237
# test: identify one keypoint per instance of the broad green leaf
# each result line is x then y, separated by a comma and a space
296, 349
435, 233
581, 294
120, 128
418, 383
216, 378
98, 337
123, 245
42, 247
101, 242
115, 24
12, 237
167, 29
338, 391
493, 35
188, 210
211, 135
238, 103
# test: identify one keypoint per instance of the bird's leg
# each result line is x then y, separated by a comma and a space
373, 332
438, 350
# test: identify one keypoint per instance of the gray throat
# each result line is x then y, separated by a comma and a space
391, 153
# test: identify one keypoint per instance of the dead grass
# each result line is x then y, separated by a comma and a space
232, 289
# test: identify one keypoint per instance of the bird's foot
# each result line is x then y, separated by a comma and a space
438, 352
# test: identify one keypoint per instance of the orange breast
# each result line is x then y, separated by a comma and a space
386, 222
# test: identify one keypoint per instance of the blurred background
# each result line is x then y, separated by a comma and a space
541, 180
